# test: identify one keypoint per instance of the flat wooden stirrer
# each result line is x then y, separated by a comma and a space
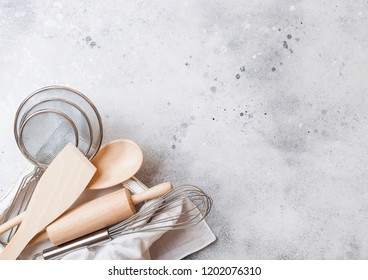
59, 187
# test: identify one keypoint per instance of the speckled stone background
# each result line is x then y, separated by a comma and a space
261, 103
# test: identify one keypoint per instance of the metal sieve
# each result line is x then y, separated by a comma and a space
74, 113
45, 122
72, 95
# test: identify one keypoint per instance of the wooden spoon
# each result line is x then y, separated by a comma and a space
59, 187
116, 162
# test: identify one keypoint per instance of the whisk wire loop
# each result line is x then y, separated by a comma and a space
181, 208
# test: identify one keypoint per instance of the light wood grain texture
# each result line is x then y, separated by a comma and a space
151, 193
97, 214
12, 223
61, 184
116, 162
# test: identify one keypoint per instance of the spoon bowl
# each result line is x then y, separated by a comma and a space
116, 162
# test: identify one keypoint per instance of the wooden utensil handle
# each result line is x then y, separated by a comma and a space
39, 238
17, 243
12, 223
152, 193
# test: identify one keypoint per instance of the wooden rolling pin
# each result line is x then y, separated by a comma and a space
97, 214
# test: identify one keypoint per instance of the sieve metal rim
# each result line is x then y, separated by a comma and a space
99, 119
24, 150
72, 104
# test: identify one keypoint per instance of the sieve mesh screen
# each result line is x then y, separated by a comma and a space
44, 134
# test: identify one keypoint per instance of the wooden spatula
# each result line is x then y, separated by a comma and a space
59, 187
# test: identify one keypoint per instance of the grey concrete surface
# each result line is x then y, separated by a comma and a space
261, 103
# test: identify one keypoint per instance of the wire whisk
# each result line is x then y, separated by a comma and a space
183, 207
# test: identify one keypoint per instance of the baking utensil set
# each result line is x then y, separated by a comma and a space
59, 131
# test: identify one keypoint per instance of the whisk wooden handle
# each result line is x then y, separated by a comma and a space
100, 213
